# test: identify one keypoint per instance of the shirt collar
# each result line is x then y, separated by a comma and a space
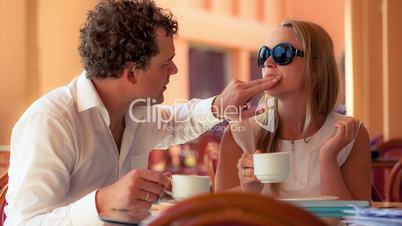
268, 120
87, 97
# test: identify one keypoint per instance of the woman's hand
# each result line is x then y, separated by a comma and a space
346, 130
248, 181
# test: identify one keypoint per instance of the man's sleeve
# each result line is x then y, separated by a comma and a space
41, 161
184, 122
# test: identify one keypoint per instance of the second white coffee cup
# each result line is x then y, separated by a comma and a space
186, 186
272, 167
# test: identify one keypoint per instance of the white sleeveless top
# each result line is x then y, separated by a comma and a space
304, 176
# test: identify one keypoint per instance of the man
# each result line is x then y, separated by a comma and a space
83, 148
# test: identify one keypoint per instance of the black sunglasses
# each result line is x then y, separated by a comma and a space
282, 54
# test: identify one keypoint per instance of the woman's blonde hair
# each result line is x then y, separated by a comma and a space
320, 75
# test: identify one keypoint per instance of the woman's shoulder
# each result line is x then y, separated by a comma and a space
246, 132
337, 116
244, 128
333, 117
361, 136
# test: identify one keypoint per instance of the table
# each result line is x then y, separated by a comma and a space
143, 215
135, 216
397, 205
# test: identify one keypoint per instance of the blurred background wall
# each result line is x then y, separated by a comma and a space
217, 41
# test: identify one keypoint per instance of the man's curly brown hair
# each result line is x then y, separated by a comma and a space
121, 31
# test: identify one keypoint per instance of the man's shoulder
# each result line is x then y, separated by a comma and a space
56, 103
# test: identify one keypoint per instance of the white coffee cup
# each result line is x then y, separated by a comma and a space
185, 186
272, 167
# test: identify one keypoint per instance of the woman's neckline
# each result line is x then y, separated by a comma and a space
310, 137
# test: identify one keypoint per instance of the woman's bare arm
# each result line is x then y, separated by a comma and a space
357, 169
353, 179
226, 173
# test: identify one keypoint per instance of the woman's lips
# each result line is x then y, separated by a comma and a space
271, 75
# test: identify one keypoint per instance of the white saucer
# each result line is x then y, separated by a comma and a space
312, 198
167, 202
271, 178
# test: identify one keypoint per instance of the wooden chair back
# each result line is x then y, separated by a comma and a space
393, 186
388, 150
375, 196
235, 209
391, 148
3, 191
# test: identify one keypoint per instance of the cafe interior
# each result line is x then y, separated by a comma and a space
218, 41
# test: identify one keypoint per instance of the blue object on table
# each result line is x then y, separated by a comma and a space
374, 216
330, 208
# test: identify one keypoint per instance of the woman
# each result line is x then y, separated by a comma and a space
329, 153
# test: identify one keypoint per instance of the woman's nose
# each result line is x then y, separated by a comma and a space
270, 63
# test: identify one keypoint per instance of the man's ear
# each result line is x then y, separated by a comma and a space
129, 73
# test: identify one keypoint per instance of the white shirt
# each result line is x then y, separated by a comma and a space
62, 151
304, 176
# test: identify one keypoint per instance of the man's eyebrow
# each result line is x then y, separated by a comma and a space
174, 54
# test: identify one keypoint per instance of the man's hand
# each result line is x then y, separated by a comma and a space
135, 190
231, 104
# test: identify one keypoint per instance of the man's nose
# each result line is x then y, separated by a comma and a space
174, 69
